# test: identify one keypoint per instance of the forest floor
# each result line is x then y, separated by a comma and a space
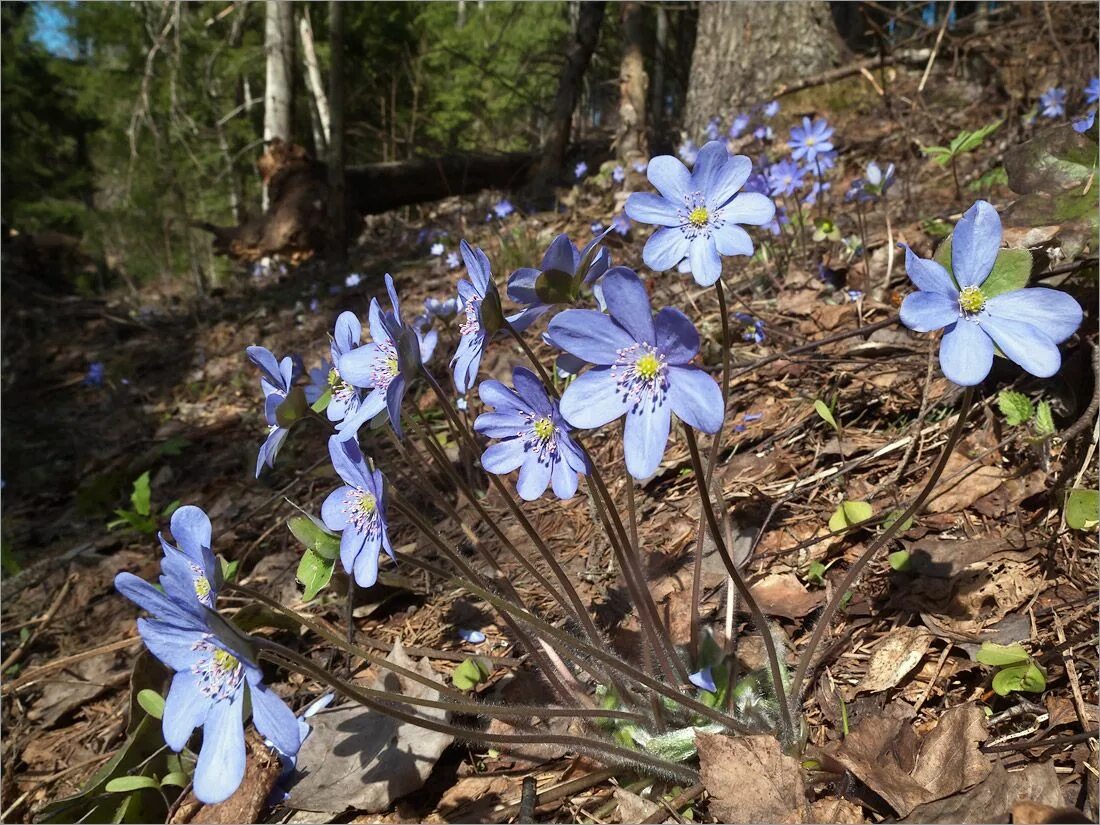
902, 719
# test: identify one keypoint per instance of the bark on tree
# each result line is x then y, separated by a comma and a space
577, 57
279, 82
316, 86
744, 50
630, 138
337, 212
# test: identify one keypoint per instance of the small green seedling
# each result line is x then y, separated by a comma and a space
965, 141
849, 514
1083, 509
815, 574
471, 673
322, 550
141, 518
1016, 669
1018, 411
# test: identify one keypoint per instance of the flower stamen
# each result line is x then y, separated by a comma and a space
971, 301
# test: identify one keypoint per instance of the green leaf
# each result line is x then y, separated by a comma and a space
140, 496
152, 702
1028, 677
899, 560
321, 404
492, 316
893, 516
1044, 420
1001, 655
470, 674
816, 573
174, 446
1011, 270
822, 409
125, 784
314, 571
1083, 509
553, 286
293, 408
177, 779
314, 536
228, 568
1015, 407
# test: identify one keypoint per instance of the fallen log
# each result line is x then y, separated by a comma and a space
294, 225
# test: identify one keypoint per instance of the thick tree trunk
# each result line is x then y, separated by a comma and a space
630, 139
318, 98
279, 84
744, 50
577, 57
337, 213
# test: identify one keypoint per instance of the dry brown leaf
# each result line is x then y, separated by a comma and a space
837, 811
993, 798
949, 760
959, 493
633, 808
1032, 813
247, 802
898, 653
473, 798
782, 594
750, 779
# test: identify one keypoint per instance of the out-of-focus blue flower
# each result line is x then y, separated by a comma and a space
620, 224
810, 139
503, 208
640, 166
452, 260
212, 676
1025, 324
754, 327
318, 381
353, 280
763, 133
444, 310
346, 408
534, 437
704, 680
778, 222
688, 151
711, 129
475, 335
437, 249
426, 336
928, 14
95, 374
276, 378
561, 256
618, 174
785, 177
473, 637
698, 212
816, 189
314, 305
1085, 123
597, 228
641, 369
854, 295
1052, 102
771, 109
740, 124
823, 163
357, 511
580, 170
757, 182
1092, 91
877, 181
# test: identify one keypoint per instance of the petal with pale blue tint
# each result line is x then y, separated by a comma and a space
395, 394
500, 424
274, 720
725, 182
589, 335
928, 275
731, 239
477, 265
564, 479
593, 399
560, 255
1056, 313
521, 286
263, 359
358, 366
966, 353
573, 456
1025, 344
504, 456
534, 478
147, 597
347, 459
695, 398
184, 710
645, 437
706, 265
928, 311
530, 389
710, 161
378, 330
333, 512
497, 395
647, 207
975, 244
366, 563
628, 303
220, 768
351, 546
348, 332
704, 680
191, 530
677, 338
670, 176
172, 645
665, 248
749, 207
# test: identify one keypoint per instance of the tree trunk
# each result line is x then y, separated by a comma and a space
577, 57
279, 86
316, 85
744, 50
630, 139
657, 86
337, 212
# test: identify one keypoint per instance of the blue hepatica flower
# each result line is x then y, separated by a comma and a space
534, 437
771, 109
503, 208
426, 337
345, 407
353, 280
621, 224
641, 369
704, 680
560, 256
811, 139
212, 676
94, 376
191, 573
357, 510
1026, 324
763, 133
618, 174
740, 124
580, 170
688, 151
1052, 102
785, 177
698, 212
452, 260
823, 163
437, 249
444, 310
385, 366
473, 637
640, 166
711, 129
276, 378
1092, 91
1085, 123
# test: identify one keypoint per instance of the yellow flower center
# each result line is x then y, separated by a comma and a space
392, 364
971, 300
544, 429
810, 141
202, 587
333, 377
647, 366
698, 216
224, 660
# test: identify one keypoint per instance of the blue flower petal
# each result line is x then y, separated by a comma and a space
500, 424
495, 394
263, 359
395, 394
332, 511
564, 480
966, 353
348, 332
593, 399
351, 546
928, 275
928, 311
220, 768
650, 208
645, 437
628, 303
147, 597
534, 478
590, 335
1025, 344
724, 183
706, 265
504, 456
274, 719
530, 389
184, 710
1056, 313
709, 163
665, 248
670, 176
704, 680
677, 338
191, 530
560, 255
366, 563
696, 398
975, 244
731, 239
751, 208
347, 460
174, 646
521, 286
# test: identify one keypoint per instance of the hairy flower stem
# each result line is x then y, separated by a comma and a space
889, 244
712, 460
786, 730
603, 750
806, 658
